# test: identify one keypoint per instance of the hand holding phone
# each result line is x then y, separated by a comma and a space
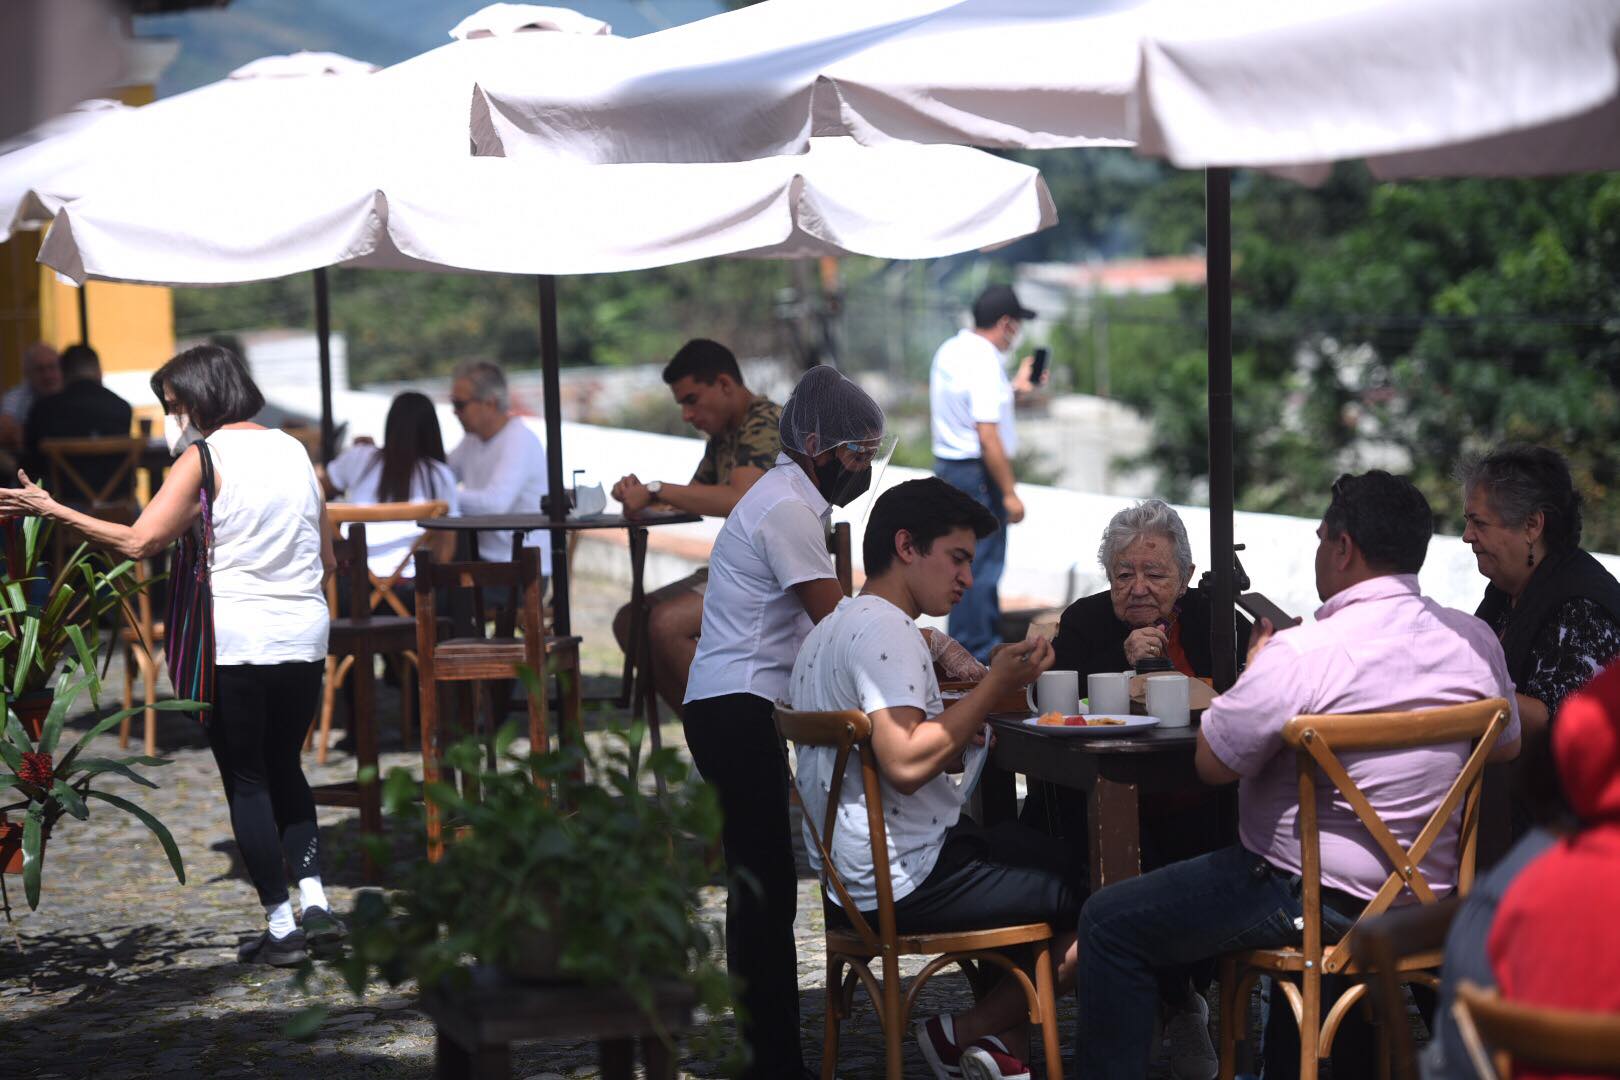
1037, 370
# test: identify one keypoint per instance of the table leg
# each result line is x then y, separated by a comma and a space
1114, 821
617, 1057
365, 752
998, 795
455, 1062
646, 688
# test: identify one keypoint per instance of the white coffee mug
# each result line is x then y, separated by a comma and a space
1054, 691
1167, 697
1110, 693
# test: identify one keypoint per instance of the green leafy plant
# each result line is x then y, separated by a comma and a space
564, 853
35, 637
51, 786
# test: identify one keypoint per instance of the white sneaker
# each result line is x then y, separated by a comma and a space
1192, 1054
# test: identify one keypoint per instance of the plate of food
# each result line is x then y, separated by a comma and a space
1101, 726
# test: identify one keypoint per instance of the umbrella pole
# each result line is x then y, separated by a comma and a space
84, 315
323, 342
1218, 272
550, 362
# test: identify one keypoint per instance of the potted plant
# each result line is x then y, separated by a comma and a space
36, 636
49, 786
565, 869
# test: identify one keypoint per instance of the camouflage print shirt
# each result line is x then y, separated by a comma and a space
756, 442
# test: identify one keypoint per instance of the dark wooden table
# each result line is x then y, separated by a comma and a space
1114, 772
477, 1027
638, 685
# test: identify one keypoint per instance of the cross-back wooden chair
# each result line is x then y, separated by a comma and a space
1502, 1034
1379, 944
1317, 742
380, 599
849, 734
111, 500
470, 660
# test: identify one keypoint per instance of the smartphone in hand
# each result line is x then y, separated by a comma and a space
1037, 369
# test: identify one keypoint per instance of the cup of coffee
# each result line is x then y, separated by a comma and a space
1054, 691
1167, 699
1110, 692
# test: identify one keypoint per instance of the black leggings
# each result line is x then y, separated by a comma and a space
735, 746
256, 730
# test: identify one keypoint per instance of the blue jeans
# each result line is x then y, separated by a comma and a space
1186, 912
975, 622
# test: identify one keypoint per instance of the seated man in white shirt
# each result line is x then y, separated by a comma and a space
501, 463
947, 873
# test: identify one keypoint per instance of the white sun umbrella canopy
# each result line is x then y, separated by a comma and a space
276, 217
760, 81
1414, 87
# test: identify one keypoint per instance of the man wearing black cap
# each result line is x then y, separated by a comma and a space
971, 401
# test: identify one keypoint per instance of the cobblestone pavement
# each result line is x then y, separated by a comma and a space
122, 972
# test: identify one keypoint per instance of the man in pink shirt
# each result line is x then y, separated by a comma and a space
1377, 644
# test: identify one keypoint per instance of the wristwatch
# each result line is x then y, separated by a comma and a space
655, 487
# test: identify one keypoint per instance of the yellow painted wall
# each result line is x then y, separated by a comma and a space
131, 326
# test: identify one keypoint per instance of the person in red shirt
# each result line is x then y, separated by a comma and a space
1556, 941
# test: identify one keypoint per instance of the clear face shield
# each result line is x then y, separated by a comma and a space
854, 474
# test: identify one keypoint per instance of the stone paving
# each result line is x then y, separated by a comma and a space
122, 972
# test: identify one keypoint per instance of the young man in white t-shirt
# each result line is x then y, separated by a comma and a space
946, 873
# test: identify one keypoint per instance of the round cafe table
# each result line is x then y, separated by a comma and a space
638, 663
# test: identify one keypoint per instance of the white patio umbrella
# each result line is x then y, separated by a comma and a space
277, 213
1420, 87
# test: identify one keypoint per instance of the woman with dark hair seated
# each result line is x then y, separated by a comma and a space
408, 467
1555, 607
268, 550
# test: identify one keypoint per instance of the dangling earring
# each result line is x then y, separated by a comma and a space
1529, 555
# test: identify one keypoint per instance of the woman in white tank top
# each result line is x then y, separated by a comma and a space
269, 554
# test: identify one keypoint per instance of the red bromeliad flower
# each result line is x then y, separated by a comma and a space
36, 769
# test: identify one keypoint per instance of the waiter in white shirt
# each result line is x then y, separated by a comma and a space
971, 402
501, 463
770, 580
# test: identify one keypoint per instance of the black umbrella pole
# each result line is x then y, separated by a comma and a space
323, 343
1218, 252
550, 362
84, 314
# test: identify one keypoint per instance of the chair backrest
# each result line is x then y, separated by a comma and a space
118, 456
353, 577
382, 589
1554, 1039
838, 545
1380, 944
1319, 740
522, 576
847, 732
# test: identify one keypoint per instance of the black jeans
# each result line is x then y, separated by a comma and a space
735, 746
256, 730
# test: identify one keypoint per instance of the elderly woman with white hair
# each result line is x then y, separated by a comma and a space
1149, 612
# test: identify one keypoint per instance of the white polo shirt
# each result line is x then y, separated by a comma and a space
968, 386
505, 474
775, 538
869, 655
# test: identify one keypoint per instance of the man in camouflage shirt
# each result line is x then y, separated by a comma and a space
708, 385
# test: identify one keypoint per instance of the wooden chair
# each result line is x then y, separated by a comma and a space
112, 500
1317, 741
1379, 945
378, 595
471, 660
838, 546
848, 732
352, 643
1500, 1034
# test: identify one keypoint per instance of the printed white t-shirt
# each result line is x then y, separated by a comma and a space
265, 562
870, 655
753, 623
357, 472
967, 386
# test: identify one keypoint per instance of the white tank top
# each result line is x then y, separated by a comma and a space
266, 558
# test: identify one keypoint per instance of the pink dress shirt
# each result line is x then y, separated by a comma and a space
1377, 646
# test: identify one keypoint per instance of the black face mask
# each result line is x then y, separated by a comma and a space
839, 486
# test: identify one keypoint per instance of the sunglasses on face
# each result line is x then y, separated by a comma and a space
457, 404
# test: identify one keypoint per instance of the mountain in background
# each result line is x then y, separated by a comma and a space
215, 41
